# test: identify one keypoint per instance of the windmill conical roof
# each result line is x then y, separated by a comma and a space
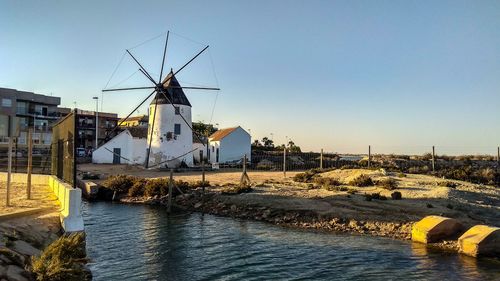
173, 90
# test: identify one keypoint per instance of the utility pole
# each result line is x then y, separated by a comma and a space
96, 120
433, 159
30, 163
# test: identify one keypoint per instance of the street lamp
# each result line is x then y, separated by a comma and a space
96, 120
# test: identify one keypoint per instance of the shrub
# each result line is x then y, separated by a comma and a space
306, 176
449, 206
401, 175
368, 197
120, 183
137, 188
362, 180
388, 183
429, 205
156, 187
237, 189
63, 260
326, 182
351, 191
200, 184
396, 195
448, 184
418, 170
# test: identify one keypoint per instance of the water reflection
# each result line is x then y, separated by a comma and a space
143, 243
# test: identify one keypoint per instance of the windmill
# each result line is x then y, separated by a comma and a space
169, 100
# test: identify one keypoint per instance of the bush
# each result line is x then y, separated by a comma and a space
429, 205
362, 180
368, 197
396, 195
156, 187
388, 183
448, 184
326, 182
306, 176
63, 260
237, 189
120, 183
137, 188
401, 175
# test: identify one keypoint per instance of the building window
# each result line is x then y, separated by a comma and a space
177, 110
177, 129
6, 102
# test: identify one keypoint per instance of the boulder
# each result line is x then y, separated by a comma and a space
480, 240
434, 228
16, 273
25, 248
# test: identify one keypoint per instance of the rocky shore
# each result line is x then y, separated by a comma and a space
23, 238
217, 204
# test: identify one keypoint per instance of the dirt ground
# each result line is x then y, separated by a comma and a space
41, 197
422, 195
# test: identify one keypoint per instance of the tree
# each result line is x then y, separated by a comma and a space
267, 142
203, 129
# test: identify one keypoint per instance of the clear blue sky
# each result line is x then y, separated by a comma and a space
339, 75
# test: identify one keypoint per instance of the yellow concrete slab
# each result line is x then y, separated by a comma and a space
434, 228
480, 240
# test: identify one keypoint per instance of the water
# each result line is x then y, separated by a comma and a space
128, 242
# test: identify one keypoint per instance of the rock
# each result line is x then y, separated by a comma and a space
480, 240
16, 273
266, 214
3, 270
434, 228
14, 257
198, 205
24, 248
233, 208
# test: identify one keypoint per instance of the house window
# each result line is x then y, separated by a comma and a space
177, 129
177, 110
6, 102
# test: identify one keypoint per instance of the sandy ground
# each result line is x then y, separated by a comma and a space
41, 197
422, 195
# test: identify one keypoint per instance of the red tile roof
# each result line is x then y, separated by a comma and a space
222, 133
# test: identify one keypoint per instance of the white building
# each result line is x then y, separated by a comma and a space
229, 145
172, 138
128, 147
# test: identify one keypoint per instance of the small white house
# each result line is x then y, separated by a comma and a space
128, 147
229, 145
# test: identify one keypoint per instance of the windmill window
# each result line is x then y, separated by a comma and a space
177, 110
177, 129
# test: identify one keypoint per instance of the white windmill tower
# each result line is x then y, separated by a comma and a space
170, 135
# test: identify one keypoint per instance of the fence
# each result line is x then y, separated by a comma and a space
63, 150
40, 159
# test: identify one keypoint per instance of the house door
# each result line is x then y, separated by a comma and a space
217, 155
116, 155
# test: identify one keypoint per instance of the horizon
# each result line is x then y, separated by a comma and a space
337, 76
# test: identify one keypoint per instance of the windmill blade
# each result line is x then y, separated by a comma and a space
186, 64
127, 89
142, 68
164, 53
151, 137
195, 88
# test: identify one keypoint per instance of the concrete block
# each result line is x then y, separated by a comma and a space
434, 228
480, 240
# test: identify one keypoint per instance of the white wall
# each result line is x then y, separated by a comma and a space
235, 145
163, 149
232, 147
199, 147
133, 149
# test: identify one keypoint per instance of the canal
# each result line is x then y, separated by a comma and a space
137, 242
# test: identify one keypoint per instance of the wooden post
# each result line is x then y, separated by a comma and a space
202, 172
30, 163
498, 155
369, 156
284, 162
170, 187
433, 159
321, 160
245, 180
9, 172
